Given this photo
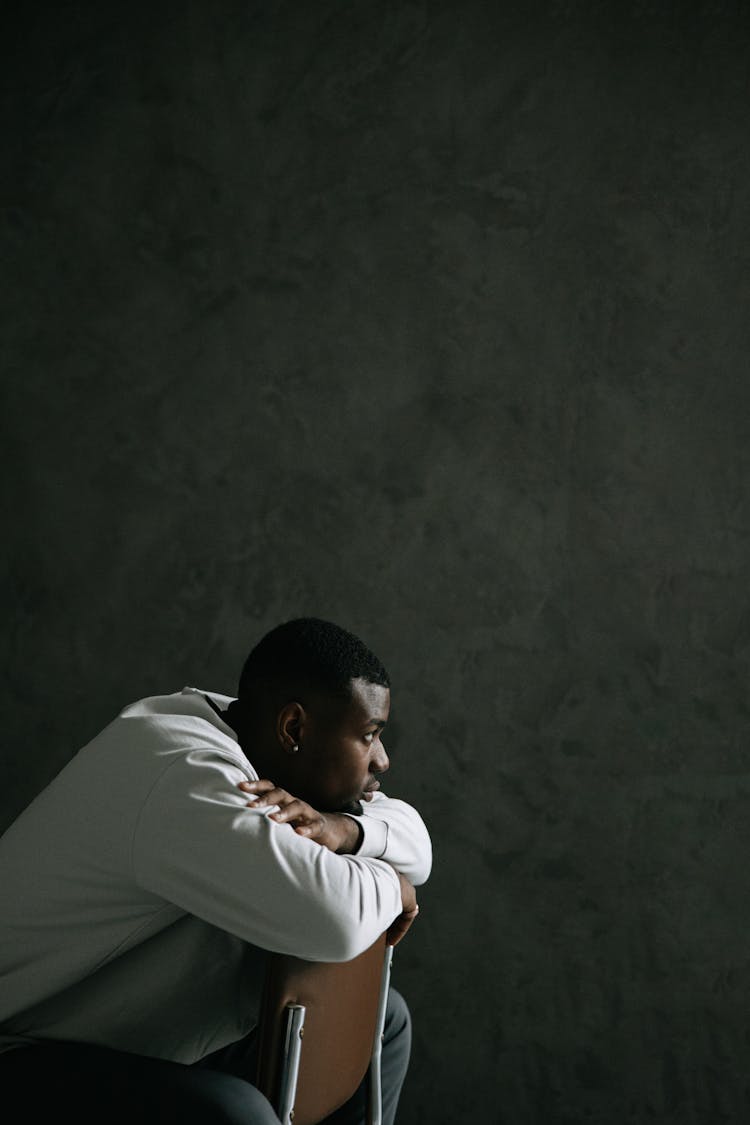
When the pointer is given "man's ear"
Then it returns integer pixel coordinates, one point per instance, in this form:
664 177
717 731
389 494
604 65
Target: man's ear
290 724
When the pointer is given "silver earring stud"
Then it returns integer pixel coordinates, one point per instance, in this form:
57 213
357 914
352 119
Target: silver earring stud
295 748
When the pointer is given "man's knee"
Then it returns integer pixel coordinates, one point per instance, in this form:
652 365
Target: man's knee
397 1019
242 1104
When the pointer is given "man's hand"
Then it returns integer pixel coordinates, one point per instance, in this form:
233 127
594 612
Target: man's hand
335 831
409 911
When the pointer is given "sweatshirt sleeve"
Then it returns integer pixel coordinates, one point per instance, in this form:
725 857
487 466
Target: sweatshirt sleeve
395 832
199 846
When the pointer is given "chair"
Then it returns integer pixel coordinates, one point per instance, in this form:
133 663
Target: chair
320 1033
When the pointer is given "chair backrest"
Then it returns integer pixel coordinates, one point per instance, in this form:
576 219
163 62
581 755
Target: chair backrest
320 1033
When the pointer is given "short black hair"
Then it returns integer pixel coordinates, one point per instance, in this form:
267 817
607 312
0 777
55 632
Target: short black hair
310 652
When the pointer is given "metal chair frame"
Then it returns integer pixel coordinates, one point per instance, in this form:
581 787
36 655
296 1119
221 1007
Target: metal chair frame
282 1040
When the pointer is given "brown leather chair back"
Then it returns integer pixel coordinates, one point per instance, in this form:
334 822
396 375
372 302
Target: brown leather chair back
342 1003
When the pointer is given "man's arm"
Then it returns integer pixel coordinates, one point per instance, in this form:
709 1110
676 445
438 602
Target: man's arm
198 846
396 834
387 829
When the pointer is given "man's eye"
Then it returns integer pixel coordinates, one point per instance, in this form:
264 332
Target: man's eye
369 736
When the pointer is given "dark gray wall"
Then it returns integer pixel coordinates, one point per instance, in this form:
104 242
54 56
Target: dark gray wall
431 318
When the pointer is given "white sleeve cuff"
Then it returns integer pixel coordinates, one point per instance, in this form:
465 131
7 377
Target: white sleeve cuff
374 837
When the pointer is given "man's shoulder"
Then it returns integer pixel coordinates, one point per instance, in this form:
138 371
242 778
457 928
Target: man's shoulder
190 702
182 719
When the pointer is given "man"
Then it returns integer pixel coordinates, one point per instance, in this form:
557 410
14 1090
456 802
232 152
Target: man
142 887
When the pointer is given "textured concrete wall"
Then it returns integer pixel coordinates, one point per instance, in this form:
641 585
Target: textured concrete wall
431 318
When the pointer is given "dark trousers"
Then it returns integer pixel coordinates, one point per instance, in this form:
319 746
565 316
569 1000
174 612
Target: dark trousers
89 1085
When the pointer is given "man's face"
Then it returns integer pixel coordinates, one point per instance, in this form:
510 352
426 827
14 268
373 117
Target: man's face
341 752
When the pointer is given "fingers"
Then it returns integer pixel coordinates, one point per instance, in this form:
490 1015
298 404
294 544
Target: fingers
409 911
261 788
400 926
291 809
272 794
408 894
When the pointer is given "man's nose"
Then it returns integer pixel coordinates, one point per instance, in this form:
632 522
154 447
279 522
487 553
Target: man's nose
380 759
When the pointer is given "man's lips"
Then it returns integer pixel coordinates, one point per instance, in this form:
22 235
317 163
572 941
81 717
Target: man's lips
368 792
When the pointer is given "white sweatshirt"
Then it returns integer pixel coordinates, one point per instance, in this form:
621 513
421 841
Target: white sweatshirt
139 893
